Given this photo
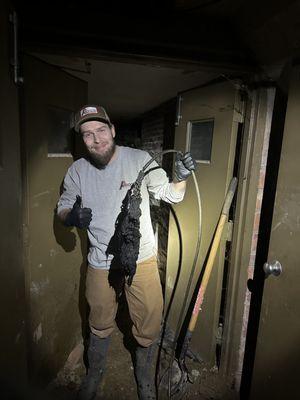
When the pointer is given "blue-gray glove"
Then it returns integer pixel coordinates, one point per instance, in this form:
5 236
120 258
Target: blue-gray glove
184 165
79 216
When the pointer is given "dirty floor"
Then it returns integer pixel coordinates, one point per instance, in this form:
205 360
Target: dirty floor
119 382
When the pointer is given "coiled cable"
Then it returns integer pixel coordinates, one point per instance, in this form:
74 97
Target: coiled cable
191 276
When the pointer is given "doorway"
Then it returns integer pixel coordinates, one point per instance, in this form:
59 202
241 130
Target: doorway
153 122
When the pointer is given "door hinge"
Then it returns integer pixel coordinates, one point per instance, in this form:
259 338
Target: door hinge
228 231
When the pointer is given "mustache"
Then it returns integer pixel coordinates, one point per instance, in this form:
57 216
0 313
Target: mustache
99 144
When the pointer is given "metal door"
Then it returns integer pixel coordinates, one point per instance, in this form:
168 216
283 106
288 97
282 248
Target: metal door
208 127
53 254
276 367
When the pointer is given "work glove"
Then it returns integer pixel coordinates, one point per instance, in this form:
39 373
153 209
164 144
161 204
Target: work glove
79 216
184 165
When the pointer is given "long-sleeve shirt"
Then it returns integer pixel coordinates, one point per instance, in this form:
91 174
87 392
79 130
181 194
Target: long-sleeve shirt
103 190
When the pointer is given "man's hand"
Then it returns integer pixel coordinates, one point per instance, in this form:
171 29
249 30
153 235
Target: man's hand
79 216
184 165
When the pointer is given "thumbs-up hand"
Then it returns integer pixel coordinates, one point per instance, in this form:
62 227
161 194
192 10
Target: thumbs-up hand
79 216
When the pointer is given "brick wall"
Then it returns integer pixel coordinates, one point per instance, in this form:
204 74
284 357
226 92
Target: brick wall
152 133
157 134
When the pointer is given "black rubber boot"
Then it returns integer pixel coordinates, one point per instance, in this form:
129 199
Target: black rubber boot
144 372
96 355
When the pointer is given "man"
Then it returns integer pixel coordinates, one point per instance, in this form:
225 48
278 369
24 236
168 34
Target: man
94 189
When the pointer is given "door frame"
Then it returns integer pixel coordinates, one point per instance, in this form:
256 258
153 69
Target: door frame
262 103
256 133
256 284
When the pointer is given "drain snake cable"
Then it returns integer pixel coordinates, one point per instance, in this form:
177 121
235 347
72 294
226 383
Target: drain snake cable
188 288
197 306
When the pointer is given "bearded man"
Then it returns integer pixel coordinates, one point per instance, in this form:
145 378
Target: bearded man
94 189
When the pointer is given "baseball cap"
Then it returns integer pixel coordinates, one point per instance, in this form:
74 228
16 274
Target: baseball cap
90 113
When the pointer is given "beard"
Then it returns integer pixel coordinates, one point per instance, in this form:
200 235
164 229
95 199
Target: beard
101 160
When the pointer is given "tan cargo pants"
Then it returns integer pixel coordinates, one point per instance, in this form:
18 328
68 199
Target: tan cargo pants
144 298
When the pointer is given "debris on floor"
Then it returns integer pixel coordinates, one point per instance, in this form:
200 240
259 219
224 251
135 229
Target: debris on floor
119 382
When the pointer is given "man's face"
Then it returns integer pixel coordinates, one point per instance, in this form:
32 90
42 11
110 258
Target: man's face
98 138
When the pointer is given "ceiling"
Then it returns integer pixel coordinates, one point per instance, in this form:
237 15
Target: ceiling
128 90
137 54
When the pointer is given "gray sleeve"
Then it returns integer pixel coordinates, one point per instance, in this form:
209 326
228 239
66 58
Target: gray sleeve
158 184
71 188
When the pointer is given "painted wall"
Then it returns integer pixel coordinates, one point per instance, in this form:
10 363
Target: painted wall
55 256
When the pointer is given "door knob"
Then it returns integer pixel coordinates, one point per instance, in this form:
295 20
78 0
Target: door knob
273 268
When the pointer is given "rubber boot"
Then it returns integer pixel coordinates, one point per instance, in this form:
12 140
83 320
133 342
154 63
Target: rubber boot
144 372
96 355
